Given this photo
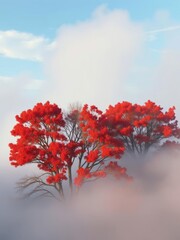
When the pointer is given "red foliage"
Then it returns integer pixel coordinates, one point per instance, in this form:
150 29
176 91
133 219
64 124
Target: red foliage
117 171
141 126
95 132
92 156
82 174
41 140
54 142
88 139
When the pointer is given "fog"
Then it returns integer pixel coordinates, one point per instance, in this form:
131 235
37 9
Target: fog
147 208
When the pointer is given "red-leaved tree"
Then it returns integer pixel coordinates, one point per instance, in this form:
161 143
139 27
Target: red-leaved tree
142 127
85 144
63 149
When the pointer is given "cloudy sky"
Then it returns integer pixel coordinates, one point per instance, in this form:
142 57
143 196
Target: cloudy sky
97 52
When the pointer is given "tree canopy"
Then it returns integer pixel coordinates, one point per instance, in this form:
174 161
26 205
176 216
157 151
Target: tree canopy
85 143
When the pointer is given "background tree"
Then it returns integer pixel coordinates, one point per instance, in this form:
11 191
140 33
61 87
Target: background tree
61 146
142 127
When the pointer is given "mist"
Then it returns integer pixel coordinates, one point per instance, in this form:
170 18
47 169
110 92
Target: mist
146 208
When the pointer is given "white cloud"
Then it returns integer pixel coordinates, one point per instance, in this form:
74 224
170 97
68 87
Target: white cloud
152 35
92 59
162 57
22 45
166 29
29 83
166 78
16 95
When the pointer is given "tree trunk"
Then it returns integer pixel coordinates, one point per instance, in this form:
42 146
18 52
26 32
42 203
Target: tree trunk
70 179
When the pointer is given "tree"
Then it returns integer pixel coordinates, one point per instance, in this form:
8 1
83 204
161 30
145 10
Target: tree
60 146
142 127
85 144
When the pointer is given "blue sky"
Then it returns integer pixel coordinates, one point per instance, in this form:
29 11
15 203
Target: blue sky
44 16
